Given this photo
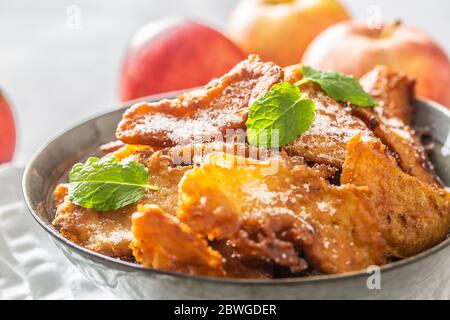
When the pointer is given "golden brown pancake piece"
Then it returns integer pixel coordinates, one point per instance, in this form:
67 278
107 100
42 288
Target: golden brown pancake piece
293 209
412 215
162 242
394 92
326 141
110 233
200 114
391 121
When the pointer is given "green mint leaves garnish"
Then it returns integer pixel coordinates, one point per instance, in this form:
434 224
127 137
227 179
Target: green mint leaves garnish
339 87
106 184
281 113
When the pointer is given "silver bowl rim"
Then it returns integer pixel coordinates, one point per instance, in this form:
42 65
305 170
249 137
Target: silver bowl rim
130 266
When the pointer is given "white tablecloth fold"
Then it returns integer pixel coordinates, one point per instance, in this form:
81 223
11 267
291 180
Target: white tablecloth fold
31 267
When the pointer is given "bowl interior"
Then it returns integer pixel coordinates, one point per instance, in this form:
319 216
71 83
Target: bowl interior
435 119
51 163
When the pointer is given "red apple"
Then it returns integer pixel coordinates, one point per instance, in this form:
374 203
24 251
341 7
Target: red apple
7 131
353 48
174 54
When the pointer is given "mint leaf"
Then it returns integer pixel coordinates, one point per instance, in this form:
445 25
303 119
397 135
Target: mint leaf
339 87
283 111
106 184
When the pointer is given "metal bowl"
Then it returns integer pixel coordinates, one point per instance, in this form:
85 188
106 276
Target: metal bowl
413 277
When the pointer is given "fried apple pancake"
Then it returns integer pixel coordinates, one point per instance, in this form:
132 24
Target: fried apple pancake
403 143
164 174
203 113
110 233
354 190
162 242
394 92
412 215
326 141
294 209
390 122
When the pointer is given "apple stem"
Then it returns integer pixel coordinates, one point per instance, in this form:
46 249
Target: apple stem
389 29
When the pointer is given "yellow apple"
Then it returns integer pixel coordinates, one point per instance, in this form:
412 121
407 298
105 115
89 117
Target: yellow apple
280 30
353 48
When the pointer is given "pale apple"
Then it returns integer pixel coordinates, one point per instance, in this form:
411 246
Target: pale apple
353 48
7 131
281 30
174 54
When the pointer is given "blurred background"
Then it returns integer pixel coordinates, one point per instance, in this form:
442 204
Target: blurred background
60 61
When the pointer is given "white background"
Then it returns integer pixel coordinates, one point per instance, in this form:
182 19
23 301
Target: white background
55 76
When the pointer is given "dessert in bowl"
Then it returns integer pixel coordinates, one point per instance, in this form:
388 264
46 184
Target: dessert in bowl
198 199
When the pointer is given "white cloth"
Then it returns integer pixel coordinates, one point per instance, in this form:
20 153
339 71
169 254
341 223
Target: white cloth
31 266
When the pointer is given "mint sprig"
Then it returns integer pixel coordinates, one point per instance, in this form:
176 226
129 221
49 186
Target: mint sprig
106 184
279 116
339 86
